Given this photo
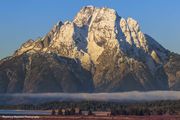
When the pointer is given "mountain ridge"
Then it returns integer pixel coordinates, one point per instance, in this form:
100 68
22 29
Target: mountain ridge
114 52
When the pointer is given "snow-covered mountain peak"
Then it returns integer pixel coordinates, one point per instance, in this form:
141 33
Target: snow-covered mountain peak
83 17
88 13
92 31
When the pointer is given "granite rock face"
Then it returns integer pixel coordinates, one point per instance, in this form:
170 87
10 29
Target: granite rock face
98 51
172 69
44 73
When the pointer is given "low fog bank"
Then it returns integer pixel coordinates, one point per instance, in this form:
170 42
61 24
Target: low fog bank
35 98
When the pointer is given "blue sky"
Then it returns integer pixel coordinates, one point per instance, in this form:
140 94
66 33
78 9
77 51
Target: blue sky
21 20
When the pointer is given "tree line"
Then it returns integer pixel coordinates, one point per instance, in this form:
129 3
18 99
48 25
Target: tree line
170 107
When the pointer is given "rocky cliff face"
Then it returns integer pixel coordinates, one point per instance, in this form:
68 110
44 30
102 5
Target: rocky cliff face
98 51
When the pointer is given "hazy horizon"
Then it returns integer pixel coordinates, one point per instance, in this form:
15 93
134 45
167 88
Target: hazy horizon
23 20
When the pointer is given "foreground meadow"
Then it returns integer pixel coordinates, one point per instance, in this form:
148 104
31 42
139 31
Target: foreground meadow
164 117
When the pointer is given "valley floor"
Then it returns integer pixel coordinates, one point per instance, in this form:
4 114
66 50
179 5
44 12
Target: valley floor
164 117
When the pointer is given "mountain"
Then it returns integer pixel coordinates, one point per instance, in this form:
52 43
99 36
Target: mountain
98 51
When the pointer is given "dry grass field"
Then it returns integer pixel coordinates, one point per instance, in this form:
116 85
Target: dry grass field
165 117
